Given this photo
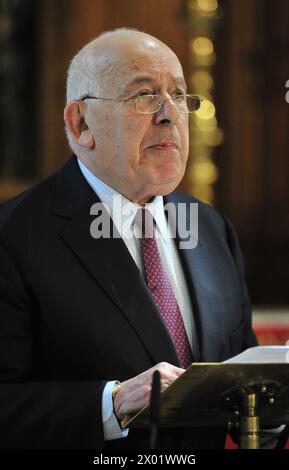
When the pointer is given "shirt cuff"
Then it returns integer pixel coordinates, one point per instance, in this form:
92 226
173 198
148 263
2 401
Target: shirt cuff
111 427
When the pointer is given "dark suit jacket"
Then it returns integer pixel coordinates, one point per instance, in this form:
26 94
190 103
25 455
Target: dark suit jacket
75 312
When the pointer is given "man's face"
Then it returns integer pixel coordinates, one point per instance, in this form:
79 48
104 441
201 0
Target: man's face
140 155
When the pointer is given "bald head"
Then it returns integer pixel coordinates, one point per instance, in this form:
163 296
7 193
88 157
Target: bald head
106 56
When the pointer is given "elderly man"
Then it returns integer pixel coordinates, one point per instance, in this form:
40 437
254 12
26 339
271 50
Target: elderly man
81 314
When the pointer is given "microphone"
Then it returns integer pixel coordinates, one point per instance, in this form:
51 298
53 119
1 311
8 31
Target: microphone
155 409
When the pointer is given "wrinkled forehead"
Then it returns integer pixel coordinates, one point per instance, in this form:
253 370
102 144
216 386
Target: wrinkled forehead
137 65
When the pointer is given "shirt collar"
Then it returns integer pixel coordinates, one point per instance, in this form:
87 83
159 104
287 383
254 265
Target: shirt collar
121 209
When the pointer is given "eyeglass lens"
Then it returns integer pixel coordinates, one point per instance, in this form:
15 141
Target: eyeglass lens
152 103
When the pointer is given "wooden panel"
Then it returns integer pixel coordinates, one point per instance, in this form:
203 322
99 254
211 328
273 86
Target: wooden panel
54 18
252 49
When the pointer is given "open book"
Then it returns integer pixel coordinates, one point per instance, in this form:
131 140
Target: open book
197 397
262 355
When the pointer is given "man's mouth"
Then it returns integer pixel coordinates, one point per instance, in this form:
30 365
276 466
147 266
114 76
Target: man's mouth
164 146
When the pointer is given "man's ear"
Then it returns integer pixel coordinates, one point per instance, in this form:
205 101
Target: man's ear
77 126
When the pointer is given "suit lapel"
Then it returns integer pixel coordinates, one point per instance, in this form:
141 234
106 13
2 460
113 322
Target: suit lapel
110 263
193 262
206 284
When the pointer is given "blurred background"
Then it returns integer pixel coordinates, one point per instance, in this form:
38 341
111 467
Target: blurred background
234 54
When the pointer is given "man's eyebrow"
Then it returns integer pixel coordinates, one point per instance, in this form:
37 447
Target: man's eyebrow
181 81
140 80
144 79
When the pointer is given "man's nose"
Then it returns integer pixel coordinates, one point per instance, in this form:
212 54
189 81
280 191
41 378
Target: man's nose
168 114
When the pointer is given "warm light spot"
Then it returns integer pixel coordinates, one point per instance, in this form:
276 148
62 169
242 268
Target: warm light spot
204 60
206 111
202 81
207 125
207 5
214 138
205 172
202 46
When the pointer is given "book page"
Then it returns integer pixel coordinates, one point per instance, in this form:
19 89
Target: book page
262 355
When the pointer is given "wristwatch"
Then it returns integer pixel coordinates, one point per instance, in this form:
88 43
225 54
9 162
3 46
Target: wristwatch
116 389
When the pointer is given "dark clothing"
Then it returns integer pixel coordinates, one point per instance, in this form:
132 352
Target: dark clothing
75 312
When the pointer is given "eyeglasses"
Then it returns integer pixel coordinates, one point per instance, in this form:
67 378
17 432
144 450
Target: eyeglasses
150 104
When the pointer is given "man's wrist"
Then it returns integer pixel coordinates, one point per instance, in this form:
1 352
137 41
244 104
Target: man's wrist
114 393
111 427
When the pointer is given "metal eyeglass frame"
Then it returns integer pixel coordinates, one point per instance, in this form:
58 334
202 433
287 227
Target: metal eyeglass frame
138 99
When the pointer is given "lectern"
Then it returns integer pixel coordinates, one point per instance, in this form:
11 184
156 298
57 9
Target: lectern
242 396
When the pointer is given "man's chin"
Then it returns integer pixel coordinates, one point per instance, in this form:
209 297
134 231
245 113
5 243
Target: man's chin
164 187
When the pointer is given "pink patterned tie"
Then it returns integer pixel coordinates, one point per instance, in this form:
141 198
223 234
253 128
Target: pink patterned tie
161 290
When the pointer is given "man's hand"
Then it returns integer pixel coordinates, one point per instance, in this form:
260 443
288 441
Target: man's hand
134 393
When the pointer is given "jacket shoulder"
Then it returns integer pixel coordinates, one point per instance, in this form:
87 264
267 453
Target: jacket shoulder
207 214
27 198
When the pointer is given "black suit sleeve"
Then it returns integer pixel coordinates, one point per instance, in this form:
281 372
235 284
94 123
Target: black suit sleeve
248 337
38 414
